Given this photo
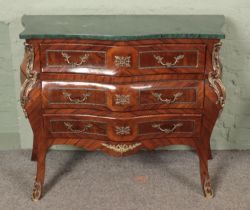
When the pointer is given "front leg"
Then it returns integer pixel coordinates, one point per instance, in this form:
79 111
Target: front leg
34 150
205 180
40 174
210 156
204 175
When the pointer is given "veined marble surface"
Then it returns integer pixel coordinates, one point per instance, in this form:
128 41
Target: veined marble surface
122 27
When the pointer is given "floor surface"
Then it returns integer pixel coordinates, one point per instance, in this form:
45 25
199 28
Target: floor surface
158 180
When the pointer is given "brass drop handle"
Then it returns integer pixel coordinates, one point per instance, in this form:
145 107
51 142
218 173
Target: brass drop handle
83 59
77 100
167 131
69 126
121 148
168 64
176 96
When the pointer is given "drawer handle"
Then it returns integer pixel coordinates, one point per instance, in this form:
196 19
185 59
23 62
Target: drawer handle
176 96
122 130
122 148
122 61
69 126
83 59
167 131
122 99
168 64
77 100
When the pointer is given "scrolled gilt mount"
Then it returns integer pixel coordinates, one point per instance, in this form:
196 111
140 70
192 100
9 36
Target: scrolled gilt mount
214 76
207 188
29 53
121 148
31 77
37 191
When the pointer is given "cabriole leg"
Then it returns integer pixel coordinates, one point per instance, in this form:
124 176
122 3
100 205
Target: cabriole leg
34 150
38 185
205 180
204 175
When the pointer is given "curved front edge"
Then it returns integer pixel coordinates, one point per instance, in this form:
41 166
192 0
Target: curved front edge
214 76
213 104
26 88
215 95
29 75
28 60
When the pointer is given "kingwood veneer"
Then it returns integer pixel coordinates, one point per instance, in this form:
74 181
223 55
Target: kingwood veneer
121 84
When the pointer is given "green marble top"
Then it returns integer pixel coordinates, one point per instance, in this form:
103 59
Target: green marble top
122 27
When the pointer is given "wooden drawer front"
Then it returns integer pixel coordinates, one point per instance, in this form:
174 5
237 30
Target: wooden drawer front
73 95
173 58
131 97
76 128
123 60
172 94
166 125
123 128
72 58
176 127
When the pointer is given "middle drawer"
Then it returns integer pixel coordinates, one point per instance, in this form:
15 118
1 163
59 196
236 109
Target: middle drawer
125 97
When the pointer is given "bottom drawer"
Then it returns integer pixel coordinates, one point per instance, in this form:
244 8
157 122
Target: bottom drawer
122 128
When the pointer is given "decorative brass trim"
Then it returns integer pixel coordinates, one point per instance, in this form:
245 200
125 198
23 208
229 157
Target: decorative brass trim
29 52
122 99
176 96
208 192
31 77
214 77
26 89
77 100
69 126
122 61
83 59
121 148
168 64
122 130
167 131
37 191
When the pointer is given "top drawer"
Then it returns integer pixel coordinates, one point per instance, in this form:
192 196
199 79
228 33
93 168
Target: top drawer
73 58
172 58
123 60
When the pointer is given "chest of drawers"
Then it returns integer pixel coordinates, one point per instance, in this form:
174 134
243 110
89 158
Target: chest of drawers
121 84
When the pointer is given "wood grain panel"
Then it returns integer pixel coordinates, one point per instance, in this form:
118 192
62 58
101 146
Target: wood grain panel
172 58
130 97
122 129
